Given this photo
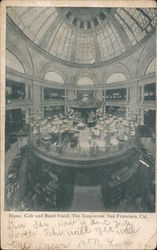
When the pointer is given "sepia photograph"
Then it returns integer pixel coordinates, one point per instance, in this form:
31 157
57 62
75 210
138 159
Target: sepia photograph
80 109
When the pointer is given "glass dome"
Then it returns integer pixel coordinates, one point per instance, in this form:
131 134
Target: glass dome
84 35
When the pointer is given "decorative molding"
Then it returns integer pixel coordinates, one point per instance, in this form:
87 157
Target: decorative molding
20 77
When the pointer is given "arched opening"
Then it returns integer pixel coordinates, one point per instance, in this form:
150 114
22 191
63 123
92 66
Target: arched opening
116 77
54 77
85 81
151 67
13 62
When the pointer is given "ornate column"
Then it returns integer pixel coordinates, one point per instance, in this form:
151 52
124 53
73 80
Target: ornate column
66 98
127 101
29 100
42 101
27 118
140 103
35 96
104 99
133 103
26 92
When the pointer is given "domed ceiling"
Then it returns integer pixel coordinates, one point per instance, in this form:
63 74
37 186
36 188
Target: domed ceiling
84 35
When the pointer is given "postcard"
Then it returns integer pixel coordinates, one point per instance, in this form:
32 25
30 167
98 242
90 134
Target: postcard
78 125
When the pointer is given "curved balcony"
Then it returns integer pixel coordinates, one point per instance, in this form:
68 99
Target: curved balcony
149 104
117 103
17 103
89 104
53 102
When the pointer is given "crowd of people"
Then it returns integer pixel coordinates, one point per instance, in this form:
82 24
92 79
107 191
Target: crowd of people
73 134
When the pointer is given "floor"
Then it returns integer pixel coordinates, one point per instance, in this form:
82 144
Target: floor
87 199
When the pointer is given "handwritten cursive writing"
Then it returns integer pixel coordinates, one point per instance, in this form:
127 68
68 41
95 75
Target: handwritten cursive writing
90 242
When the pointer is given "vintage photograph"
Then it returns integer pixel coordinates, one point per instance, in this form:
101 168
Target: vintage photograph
80 109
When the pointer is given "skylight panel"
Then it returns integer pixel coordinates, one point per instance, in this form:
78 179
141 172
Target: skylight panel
150 12
131 23
142 20
129 33
85 50
44 25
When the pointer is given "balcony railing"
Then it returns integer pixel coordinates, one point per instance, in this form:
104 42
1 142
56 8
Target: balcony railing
16 103
149 104
53 102
115 102
89 104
